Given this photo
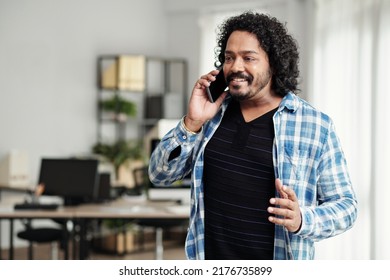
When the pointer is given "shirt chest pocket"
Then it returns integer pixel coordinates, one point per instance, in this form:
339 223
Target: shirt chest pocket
295 164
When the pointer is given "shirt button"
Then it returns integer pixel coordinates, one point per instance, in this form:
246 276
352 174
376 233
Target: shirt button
165 168
184 137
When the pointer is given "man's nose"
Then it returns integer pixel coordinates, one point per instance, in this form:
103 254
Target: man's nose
238 65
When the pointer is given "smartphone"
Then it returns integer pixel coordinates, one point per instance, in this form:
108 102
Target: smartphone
216 87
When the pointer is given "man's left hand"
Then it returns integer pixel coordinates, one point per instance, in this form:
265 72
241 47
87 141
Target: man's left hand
286 208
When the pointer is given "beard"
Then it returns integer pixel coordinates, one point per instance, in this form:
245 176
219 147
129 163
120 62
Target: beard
254 85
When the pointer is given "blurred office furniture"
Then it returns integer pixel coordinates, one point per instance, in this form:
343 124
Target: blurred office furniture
141 180
121 208
51 235
14 170
104 193
158 225
156 85
76 181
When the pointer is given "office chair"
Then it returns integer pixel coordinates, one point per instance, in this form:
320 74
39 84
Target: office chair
42 234
142 183
45 235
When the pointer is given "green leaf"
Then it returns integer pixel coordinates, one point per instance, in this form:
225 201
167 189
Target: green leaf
119 105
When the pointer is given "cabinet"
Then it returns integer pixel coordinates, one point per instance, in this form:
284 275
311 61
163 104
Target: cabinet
156 86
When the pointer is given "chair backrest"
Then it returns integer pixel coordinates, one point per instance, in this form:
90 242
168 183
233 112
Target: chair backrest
104 191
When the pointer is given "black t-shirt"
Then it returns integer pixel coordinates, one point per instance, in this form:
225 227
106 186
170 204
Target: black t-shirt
239 180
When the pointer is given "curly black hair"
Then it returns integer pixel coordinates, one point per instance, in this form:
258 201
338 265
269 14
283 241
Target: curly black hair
281 48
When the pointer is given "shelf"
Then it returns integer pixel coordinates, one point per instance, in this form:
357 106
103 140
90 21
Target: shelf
159 91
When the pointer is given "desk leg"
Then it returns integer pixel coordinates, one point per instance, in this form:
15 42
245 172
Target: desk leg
159 244
82 239
75 239
11 239
124 232
66 239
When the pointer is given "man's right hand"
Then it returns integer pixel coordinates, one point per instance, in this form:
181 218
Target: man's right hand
200 109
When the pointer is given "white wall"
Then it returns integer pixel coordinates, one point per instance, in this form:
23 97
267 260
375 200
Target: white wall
48 54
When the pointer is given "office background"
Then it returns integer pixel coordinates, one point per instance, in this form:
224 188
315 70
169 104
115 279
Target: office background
48 52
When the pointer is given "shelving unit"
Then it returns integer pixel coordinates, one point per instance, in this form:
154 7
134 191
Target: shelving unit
156 85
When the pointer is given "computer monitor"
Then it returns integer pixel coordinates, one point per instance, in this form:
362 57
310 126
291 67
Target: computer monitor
179 191
75 180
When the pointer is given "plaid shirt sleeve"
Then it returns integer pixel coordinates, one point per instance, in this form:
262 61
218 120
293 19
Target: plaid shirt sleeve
164 171
337 206
309 159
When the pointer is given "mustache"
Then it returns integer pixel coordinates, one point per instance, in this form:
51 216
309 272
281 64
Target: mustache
239 75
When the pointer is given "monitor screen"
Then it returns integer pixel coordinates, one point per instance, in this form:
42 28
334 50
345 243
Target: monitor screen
76 179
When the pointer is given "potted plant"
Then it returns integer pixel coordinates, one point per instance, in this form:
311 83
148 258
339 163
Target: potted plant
117 236
121 107
119 153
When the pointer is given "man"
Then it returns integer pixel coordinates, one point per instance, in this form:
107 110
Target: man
269 177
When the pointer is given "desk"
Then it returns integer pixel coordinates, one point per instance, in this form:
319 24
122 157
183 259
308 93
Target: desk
119 209
7 212
23 190
122 209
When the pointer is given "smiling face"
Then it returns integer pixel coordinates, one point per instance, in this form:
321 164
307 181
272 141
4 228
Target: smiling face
246 67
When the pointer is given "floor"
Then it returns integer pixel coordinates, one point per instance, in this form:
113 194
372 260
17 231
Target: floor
134 245
139 244
172 251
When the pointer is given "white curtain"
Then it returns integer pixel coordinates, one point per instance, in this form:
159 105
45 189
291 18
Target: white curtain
348 80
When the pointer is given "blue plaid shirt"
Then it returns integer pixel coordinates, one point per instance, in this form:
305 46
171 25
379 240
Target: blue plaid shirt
307 157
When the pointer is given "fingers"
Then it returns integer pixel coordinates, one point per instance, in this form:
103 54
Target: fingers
280 189
202 83
199 107
285 209
284 191
205 80
283 203
291 224
289 218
